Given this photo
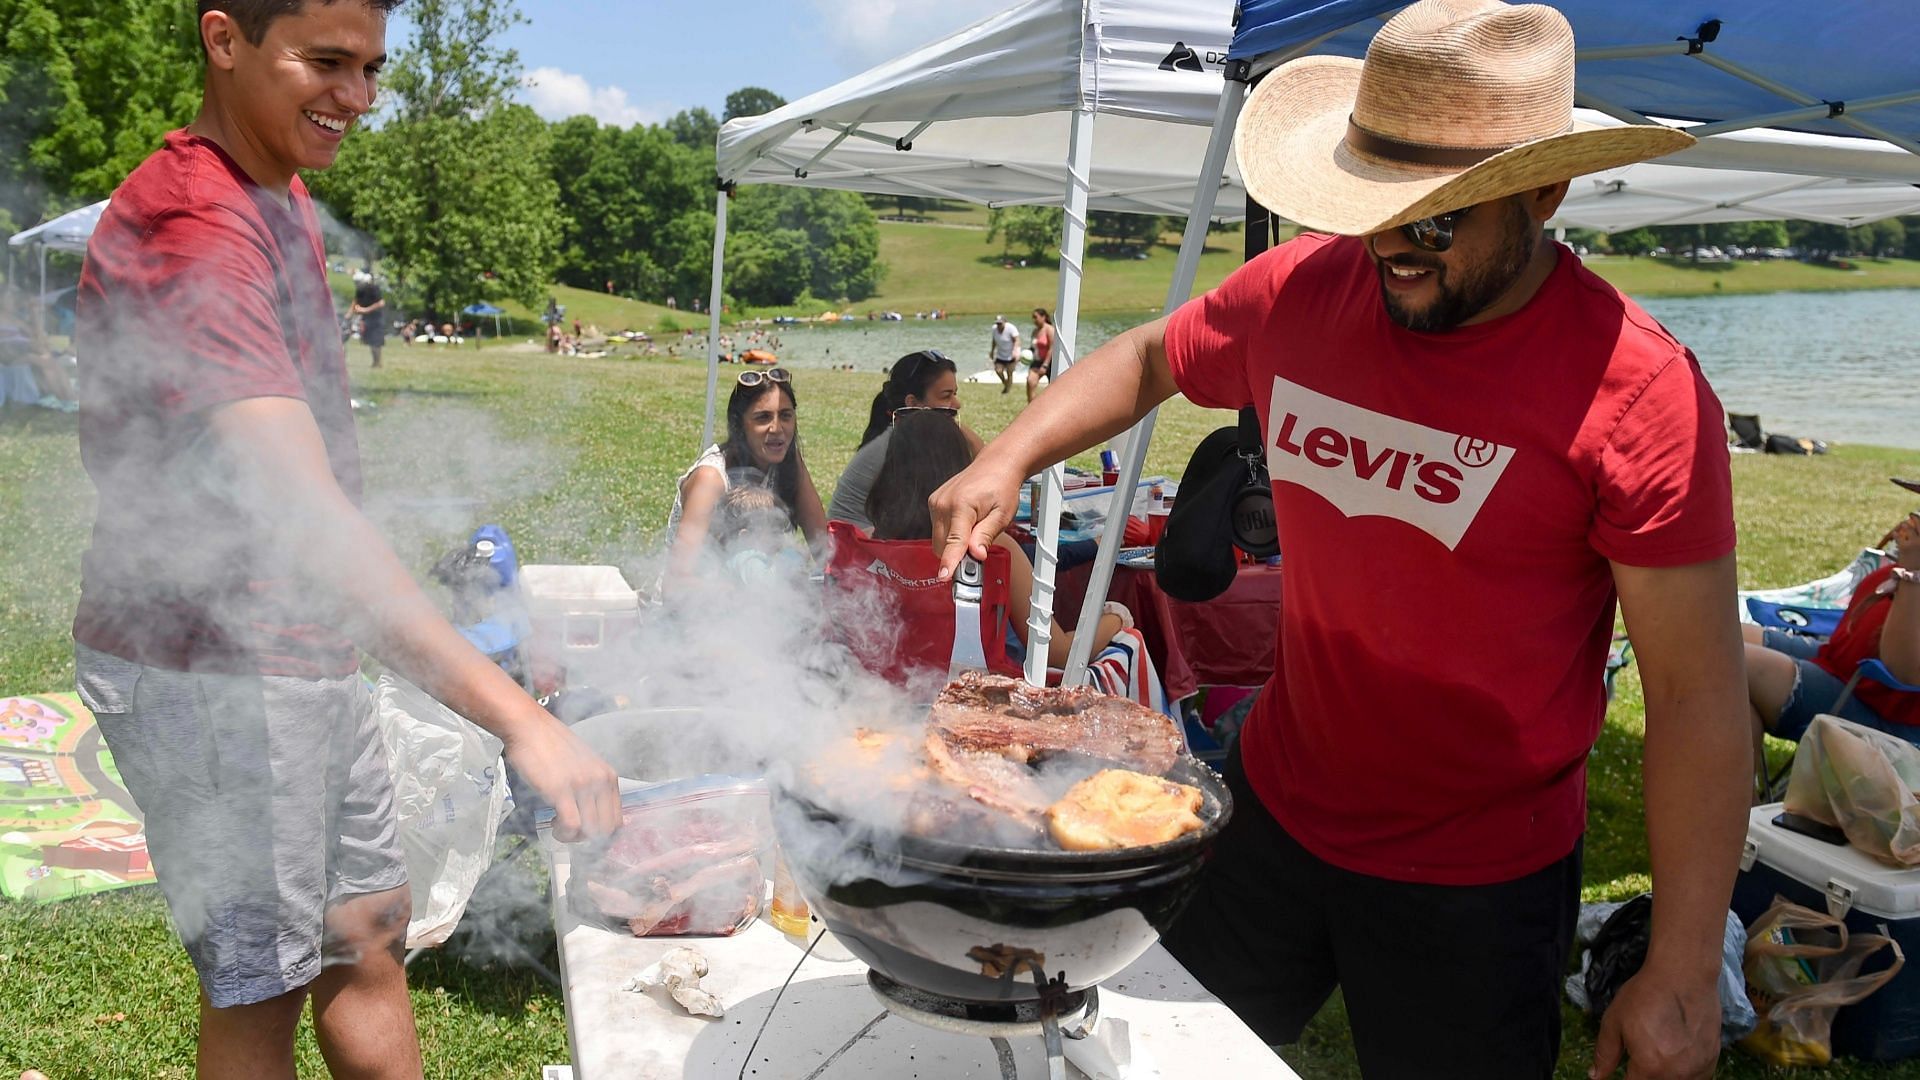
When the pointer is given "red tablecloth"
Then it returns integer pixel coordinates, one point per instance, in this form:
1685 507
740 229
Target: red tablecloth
1227 641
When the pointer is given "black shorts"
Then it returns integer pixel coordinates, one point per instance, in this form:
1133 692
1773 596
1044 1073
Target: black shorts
1439 981
373 332
1044 367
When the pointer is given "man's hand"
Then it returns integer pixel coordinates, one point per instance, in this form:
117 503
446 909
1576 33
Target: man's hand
1666 1028
970 510
581 786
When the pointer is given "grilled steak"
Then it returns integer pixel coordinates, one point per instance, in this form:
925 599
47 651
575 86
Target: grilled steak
995 714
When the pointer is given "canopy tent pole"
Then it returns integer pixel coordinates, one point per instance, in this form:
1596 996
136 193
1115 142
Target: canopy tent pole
1066 329
1185 269
40 309
713 309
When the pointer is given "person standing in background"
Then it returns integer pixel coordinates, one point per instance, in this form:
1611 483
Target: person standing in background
371 306
1042 365
1003 349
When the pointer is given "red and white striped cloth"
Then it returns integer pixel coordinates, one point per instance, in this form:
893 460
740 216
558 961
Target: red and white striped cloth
1123 669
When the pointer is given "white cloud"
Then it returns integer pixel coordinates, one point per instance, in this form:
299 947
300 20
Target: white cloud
862 33
557 94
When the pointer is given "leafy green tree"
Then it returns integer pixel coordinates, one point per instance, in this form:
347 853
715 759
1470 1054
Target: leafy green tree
1885 237
751 101
1633 242
1762 234
1121 228
619 188
694 128
1030 228
1818 236
454 182
87 88
1912 247
840 256
454 65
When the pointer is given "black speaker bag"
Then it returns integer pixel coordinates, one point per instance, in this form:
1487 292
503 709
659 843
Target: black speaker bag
1225 480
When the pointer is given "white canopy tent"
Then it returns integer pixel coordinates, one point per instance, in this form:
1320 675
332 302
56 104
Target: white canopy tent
1003 113
1005 89
69 233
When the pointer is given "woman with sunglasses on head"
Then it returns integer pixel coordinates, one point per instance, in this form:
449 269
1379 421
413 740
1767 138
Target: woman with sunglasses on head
927 448
921 380
763 434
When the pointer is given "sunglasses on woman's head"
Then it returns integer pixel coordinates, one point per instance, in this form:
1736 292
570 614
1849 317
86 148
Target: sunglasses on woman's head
1434 233
755 378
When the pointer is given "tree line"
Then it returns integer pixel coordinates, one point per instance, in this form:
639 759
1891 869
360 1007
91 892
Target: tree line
461 192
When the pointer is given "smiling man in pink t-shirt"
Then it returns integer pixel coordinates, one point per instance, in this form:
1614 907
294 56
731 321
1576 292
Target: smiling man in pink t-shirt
1477 448
232 575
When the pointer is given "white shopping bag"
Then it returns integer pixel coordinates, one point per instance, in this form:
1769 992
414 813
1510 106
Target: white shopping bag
450 790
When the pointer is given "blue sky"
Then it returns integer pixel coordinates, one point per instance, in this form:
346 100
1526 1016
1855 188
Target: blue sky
640 61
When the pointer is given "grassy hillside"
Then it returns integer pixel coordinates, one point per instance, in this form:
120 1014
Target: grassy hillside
945 262
953 267
1677 277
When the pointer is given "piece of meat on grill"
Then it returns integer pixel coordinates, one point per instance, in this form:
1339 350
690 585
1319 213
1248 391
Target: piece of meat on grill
995 714
989 778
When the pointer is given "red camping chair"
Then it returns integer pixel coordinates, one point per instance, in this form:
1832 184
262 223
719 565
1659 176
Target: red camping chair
903 577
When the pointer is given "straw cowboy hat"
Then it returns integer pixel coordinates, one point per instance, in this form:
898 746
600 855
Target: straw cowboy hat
1458 102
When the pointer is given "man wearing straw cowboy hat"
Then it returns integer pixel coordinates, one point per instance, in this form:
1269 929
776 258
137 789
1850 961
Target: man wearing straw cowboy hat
1476 446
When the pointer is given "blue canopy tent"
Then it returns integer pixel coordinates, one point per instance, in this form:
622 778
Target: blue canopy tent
1838 68
482 310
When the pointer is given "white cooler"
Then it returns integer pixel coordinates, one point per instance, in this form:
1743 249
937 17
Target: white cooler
574 612
1871 896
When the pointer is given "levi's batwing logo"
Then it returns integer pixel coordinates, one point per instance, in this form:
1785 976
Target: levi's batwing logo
1369 464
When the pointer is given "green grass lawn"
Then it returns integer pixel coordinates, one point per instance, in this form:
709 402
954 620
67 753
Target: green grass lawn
577 458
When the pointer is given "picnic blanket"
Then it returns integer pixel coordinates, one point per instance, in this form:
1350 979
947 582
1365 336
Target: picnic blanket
67 825
1832 591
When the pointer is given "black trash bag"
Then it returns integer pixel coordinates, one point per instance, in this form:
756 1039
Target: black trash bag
1618 951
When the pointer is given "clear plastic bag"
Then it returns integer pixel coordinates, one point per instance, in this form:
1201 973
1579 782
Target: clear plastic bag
450 792
1862 781
1801 967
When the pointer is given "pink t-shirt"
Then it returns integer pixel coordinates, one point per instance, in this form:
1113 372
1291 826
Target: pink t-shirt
1447 506
201 289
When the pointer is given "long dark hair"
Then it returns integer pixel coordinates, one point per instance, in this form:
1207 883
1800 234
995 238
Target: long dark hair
927 450
785 476
911 375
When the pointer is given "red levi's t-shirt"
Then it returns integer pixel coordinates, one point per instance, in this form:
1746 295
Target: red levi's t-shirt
199 289
1447 505
1857 638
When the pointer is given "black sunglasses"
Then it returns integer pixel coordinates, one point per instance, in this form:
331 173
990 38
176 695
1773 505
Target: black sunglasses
1434 233
755 378
908 409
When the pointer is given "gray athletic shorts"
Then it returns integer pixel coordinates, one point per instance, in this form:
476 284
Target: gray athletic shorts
267 798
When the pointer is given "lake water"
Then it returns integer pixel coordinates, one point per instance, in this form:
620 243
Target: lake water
1839 366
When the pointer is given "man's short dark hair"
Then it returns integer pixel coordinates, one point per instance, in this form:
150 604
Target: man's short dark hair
254 16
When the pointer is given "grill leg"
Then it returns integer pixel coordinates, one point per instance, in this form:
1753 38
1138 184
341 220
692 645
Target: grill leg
1004 1051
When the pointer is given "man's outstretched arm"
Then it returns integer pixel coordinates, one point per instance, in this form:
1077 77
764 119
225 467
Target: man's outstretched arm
1097 398
273 450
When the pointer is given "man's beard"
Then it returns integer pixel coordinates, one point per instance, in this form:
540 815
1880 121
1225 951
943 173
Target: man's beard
1478 288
